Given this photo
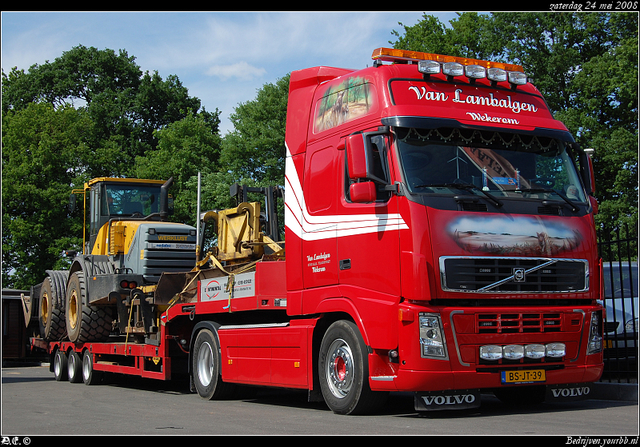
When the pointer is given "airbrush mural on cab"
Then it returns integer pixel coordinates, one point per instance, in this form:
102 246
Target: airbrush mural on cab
343 102
513 236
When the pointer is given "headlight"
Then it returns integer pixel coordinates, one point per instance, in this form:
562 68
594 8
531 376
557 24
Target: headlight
431 336
595 334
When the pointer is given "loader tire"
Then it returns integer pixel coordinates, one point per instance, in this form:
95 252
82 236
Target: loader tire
52 306
85 323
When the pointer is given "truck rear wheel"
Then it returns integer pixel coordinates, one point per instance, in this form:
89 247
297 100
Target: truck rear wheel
206 367
343 370
52 306
84 322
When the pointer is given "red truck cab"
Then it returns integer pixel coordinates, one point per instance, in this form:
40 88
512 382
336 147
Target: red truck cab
437 203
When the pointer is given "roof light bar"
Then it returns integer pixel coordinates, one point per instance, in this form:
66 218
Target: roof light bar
453 69
431 63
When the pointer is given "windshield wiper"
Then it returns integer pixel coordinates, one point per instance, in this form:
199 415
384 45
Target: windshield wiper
465 187
573 206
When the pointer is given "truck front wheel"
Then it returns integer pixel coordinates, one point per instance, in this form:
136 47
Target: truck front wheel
206 367
343 370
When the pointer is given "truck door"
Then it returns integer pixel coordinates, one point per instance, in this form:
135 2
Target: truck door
368 237
319 251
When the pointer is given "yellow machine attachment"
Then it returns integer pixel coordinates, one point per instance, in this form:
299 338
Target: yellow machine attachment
239 236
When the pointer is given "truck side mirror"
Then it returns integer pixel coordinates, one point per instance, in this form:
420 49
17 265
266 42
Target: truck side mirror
365 157
364 192
591 172
356 156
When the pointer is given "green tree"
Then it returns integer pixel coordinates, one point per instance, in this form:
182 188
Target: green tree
41 151
89 113
125 104
255 148
185 148
585 65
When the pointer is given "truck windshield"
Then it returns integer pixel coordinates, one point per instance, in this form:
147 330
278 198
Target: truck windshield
129 200
494 164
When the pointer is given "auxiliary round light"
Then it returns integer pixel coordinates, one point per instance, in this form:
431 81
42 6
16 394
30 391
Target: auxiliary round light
453 69
513 352
517 78
556 350
497 74
475 71
534 351
429 67
490 352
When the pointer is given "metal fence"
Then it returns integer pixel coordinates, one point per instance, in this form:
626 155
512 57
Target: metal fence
620 261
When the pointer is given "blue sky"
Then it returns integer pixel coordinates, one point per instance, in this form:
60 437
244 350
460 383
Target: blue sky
222 58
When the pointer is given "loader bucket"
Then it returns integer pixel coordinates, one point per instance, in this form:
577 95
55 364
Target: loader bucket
171 284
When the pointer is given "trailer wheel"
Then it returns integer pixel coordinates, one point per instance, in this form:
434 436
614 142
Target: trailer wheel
74 370
343 370
206 367
85 322
52 306
60 366
89 375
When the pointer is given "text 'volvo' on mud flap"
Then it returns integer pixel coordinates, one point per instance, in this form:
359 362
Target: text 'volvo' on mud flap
446 400
568 392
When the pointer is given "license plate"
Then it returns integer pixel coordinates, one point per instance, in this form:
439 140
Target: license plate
527 376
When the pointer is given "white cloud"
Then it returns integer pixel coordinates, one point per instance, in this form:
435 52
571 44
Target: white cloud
240 70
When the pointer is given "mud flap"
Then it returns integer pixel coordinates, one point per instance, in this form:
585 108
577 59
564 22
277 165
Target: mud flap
446 400
568 392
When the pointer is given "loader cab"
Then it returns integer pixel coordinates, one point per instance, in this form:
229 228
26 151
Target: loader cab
122 199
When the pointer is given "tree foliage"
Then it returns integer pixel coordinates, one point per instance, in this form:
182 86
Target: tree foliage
41 150
255 148
89 113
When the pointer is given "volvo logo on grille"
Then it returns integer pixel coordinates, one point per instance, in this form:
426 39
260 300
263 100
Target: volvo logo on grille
518 274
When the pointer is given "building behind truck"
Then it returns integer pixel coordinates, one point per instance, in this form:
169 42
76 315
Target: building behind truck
439 240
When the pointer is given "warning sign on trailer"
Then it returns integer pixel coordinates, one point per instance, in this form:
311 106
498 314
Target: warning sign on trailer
218 289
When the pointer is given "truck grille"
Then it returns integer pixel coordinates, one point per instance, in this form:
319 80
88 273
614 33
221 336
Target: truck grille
508 323
513 275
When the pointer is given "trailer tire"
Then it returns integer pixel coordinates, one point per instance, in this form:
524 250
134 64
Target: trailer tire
74 367
85 323
89 375
206 365
52 306
60 369
343 371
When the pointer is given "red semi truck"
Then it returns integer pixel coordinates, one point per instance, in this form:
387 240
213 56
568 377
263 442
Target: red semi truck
439 240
